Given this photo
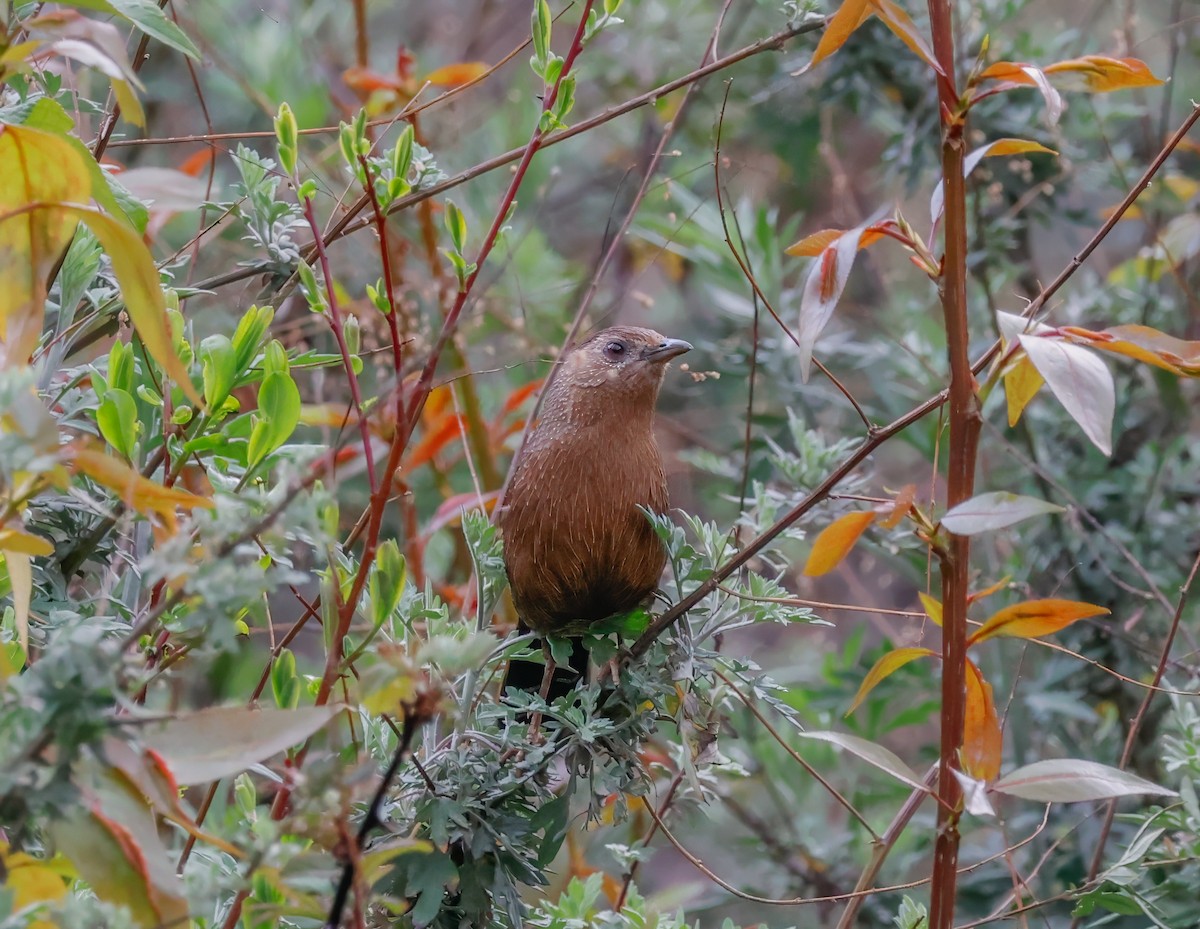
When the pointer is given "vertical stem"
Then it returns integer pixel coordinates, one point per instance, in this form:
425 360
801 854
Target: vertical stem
964 439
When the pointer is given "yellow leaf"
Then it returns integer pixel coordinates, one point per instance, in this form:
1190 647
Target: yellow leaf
932 607
989 590
36 168
1016 147
894 660
20 575
1034 618
839 27
18 540
109 857
835 542
31 881
140 288
139 493
1100 74
1021 384
1145 344
982 739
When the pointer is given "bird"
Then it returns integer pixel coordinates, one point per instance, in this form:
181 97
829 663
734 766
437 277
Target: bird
578 547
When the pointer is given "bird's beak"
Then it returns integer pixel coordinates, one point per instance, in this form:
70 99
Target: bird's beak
667 349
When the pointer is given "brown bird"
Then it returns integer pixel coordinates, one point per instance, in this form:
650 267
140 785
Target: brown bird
576 545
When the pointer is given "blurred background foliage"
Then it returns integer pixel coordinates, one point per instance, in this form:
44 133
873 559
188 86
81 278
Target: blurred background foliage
744 438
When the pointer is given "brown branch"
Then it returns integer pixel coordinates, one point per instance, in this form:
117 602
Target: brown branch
1140 717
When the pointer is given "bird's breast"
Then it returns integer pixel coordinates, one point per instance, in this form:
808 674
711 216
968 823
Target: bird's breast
578 546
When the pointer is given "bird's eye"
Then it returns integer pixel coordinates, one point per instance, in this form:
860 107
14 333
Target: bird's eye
614 350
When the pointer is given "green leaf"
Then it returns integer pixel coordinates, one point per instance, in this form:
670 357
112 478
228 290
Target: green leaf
402 154
542 23
428 876
248 336
118 421
456 225
219 369
386 584
284 684
279 409
551 819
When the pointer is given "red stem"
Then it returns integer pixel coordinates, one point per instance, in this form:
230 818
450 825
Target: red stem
339 334
965 423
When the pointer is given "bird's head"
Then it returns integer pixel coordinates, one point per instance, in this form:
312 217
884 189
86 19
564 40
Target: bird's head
622 361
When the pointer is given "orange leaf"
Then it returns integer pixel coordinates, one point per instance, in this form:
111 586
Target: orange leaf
520 395
839 27
1099 74
932 607
982 740
451 509
900 507
835 542
1021 383
1033 618
365 81
906 31
435 440
893 661
812 245
196 164
988 591
440 401
458 74
139 493
1016 72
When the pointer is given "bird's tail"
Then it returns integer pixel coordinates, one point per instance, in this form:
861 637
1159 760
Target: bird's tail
528 675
